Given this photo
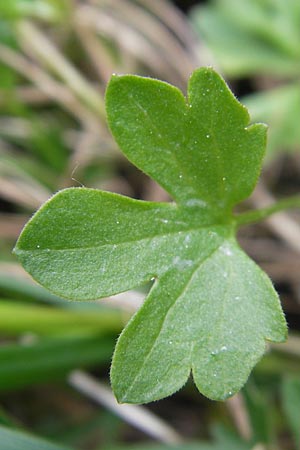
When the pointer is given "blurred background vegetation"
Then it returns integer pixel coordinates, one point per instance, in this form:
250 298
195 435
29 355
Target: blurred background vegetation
56 57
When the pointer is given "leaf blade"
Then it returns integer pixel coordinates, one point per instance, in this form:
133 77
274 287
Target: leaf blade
204 328
12 439
79 243
175 141
87 244
51 359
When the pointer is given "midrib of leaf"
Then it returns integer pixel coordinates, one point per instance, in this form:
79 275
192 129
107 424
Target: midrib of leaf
184 290
166 147
124 243
218 155
225 297
219 166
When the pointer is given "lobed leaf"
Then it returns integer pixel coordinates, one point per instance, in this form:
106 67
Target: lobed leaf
79 244
212 318
210 308
198 150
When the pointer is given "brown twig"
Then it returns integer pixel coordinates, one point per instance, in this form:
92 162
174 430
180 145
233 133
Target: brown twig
238 411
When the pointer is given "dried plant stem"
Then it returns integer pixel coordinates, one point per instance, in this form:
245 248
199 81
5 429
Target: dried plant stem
98 54
11 225
32 39
138 416
291 346
23 189
238 411
166 42
129 40
51 88
282 224
31 95
176 21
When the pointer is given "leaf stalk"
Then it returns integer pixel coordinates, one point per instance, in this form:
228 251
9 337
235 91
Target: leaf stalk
254 216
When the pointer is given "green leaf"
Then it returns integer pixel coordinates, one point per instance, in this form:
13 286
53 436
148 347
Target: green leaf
18 317
261 411
291 405
196 150
223 440
210 308
50 359
41 9
13 439
185 446
212 319
280 107
250 36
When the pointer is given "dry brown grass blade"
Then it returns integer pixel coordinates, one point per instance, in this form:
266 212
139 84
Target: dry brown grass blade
86 148
16 185
10 269
15 127
81 156
137 415
278 260
11 225
291 346
52 89
134 47
98 53
177 22
282 223
161 38
31 95
23 191
238 410
174 19
35 42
